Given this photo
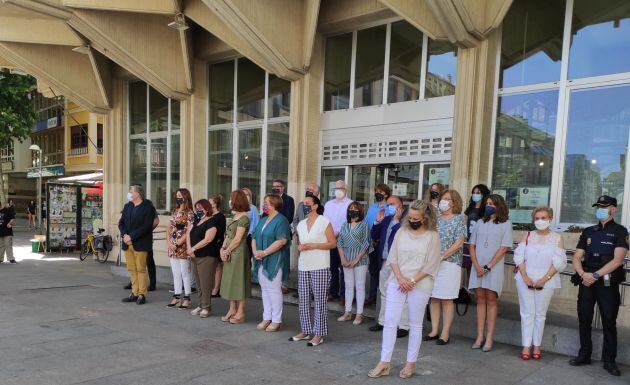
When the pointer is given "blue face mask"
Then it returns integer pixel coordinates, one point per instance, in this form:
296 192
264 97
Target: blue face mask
199 214
490 210
602 213
476 197
129 197
390 210
307 210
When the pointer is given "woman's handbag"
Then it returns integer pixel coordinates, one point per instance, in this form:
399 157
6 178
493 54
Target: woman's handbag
463 298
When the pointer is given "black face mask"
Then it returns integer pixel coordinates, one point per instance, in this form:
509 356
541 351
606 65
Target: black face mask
434 194
179 201
199 214
415 225
307 210
379 197
353 214
309 194
275 191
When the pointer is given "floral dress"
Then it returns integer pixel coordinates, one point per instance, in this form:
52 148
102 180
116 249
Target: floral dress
178 224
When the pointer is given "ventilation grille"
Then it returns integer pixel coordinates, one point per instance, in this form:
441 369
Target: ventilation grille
388 149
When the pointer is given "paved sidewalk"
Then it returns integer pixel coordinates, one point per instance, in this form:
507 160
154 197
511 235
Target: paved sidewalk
63 323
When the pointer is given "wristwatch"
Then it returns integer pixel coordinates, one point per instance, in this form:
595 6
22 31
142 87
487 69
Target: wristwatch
549 277
596 276
265 253
413 281
485 267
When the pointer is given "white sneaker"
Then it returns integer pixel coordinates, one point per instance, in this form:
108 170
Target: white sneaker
196 311
204 313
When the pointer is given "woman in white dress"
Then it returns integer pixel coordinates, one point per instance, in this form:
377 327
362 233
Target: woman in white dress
539 257
452 230
491 239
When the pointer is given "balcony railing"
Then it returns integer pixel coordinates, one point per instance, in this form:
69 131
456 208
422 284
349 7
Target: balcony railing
79 151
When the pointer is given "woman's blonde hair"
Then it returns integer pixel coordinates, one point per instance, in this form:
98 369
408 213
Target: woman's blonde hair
456 200
427 210
546 209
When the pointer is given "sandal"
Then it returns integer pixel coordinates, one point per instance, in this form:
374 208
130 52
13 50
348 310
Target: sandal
525 357
185 303
273 327
227 317
263 325
537 356
381 373
358 320
174 301
235 320
404 374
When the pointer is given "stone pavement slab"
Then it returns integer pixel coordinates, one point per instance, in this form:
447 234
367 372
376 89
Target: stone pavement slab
63 323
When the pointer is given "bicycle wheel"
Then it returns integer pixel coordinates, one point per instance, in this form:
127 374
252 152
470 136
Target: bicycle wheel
102 255
85 251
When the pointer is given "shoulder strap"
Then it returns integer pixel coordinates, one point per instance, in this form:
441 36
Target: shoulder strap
527 237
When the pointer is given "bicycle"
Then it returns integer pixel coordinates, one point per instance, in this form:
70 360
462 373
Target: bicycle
98 245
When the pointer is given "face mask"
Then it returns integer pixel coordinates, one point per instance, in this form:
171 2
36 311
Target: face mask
340 194
129 197
602 213
265 209
309 194
230 204
307 210
434 194
490 210
415 225
542 224
353 214
199 214
444 205
179 201
379 197
275 190
390 210
476 197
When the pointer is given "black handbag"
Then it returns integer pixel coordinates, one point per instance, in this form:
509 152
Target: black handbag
463 298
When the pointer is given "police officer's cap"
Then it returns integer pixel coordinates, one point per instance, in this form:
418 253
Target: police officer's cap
605 201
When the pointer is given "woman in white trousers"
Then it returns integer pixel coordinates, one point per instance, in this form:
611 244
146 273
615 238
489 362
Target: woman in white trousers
539 257
414 258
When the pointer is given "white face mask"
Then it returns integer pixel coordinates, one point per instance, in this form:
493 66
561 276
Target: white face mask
542 224
340 194
444 205
129 197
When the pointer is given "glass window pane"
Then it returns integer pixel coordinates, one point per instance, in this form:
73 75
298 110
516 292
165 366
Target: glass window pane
222 92
137 108
523 152
531 46
597 144
277 153
404 179
220 164
249 159
279 97
138 161
251 91
175 114
158 173
158 111
370 64
175 161
600 38
364 179
434 173
441 69
337 72
329 177
404 63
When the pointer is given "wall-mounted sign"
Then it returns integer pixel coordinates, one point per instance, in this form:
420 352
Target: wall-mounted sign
52 122
47 171
7 166
439 175
533 196
400 189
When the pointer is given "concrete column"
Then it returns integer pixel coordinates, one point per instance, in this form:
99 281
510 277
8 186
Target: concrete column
474 101
92 134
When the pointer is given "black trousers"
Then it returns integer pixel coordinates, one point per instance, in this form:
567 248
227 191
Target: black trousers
337 285
374 268
608 299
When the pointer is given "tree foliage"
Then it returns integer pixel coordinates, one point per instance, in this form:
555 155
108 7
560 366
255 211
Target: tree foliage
17 115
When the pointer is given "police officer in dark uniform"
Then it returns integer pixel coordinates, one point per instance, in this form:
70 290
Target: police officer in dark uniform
598 261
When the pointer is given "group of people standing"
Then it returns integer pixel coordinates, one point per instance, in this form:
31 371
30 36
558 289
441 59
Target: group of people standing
414 256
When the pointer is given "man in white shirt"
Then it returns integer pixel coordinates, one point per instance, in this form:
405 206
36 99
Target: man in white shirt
336 211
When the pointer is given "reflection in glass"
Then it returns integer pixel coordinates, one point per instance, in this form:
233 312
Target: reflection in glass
137 108
279 97
404 63
364 179
138 161
531 44
158 111
523 152
441 69
370 64
220 164
158 173
337 72
175 161
404 179
222 92
251 91
249 142
277 153
175 114
600 38
329 177
597 144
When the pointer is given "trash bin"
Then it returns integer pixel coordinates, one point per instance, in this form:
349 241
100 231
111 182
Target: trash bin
34 244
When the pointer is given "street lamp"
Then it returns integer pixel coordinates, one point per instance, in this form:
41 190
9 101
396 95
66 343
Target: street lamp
35 147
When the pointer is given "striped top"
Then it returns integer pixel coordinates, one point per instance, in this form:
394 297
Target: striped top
355 240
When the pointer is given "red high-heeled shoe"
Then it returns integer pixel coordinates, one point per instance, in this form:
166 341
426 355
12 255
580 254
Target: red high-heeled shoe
537 356
525 357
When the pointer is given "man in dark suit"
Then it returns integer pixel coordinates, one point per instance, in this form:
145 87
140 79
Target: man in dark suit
136 228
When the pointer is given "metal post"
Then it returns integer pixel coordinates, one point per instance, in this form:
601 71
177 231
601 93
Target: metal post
39 191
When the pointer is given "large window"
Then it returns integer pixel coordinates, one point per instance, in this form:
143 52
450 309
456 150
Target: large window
573 86
384 64
79 139
154 144
251 147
